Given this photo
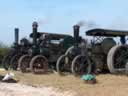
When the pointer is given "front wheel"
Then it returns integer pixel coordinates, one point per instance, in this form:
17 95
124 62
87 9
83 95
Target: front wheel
24 63
14 61
81 65
6 61
39 64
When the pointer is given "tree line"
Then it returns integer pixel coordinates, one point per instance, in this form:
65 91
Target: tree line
3 51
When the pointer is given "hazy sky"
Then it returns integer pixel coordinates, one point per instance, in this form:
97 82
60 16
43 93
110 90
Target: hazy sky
60 15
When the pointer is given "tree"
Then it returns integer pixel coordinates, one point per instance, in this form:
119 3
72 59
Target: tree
3 51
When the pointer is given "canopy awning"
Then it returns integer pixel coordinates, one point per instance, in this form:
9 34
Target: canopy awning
106 33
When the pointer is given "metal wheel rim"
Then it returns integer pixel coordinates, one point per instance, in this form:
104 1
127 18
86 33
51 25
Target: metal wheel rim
113 58
24 63
80 65
60 66
39 64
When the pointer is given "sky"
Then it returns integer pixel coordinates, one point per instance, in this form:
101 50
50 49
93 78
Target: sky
58 16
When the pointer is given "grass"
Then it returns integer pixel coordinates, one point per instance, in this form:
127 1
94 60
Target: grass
108 85
1 66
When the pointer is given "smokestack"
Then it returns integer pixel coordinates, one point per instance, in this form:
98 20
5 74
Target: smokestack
76 29
16 36
35 27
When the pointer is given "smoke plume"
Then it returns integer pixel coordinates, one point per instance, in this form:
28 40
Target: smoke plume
87 24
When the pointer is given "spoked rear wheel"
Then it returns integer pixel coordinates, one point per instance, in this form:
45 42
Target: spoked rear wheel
39 64
117 59
81 65
24 63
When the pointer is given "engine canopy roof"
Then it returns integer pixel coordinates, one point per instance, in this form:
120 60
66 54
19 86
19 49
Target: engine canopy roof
50 35
106 33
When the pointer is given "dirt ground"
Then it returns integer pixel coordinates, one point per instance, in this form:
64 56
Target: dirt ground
55 85
24 90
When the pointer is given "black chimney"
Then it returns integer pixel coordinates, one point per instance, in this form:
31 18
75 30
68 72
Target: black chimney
16 36
35 26
76 34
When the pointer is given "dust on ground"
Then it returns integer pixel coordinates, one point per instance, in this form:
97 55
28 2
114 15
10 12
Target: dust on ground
24 90
108 85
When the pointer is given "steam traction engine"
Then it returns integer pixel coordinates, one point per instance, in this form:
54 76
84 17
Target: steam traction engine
105 53
78 50
47 47
18 49
102 54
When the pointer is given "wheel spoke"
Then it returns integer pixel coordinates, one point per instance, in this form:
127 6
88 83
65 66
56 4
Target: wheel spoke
39 64
80 65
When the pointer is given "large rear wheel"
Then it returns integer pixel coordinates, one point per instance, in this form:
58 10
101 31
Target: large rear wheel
117 58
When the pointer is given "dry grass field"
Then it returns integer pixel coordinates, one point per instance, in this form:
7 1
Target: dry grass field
107 85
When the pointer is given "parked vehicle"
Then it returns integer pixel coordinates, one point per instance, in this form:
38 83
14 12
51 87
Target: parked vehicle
45 50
